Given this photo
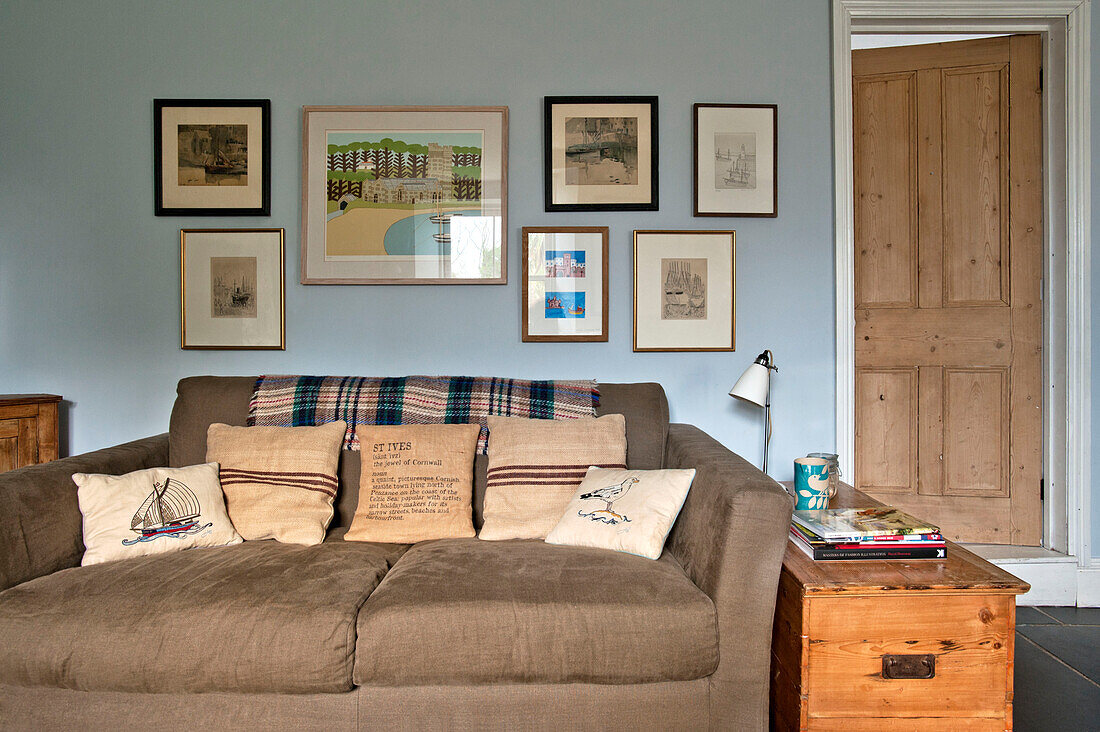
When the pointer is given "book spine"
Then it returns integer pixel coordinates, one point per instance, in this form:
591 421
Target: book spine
916 552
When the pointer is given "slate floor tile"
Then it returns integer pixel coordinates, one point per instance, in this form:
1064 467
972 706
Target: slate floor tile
1049 696
1033 616
1074 615
1078 646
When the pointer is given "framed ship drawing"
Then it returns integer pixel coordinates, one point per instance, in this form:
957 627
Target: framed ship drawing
736 160
565 276
232 290
212 157
600 153
684 290
404 195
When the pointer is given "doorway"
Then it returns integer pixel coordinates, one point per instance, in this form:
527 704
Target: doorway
1064 27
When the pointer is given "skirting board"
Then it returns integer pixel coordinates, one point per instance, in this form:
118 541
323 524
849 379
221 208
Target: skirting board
1088 584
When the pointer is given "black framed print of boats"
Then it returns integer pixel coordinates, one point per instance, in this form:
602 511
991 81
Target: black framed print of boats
404 195
684 290
232 289
212 157
565 276
736 160
600 153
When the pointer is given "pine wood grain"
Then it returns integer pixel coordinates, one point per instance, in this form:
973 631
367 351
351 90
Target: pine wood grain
28 429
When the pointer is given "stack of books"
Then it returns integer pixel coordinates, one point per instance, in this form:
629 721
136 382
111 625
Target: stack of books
865 533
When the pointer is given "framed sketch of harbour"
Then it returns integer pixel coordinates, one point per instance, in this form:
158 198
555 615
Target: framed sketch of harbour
232 289
736 160
600 153
212 157
564 290
684 290
404 195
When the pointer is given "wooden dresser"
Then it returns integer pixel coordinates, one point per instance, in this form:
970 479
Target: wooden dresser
893 645
28 429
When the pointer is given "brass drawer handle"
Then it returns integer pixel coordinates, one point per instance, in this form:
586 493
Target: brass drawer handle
915 666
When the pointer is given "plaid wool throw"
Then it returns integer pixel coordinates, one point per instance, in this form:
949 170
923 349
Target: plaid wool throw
297 401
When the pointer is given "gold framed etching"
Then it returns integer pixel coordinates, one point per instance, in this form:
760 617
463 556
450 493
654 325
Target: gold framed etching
232 289
684 290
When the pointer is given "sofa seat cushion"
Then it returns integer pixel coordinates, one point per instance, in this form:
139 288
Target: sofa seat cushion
471 611
255 617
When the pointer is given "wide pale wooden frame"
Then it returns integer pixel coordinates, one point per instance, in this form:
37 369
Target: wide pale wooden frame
501 280
281 346
605 233
1066 26
733 288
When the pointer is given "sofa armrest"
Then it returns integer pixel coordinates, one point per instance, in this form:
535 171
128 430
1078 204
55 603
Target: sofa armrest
41 529
730 538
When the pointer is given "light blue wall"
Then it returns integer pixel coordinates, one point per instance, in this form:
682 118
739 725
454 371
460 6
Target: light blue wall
89 293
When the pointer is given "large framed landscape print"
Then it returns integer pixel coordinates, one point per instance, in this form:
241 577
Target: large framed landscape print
684 290
565 276
736 154
404 195
232 289
600 153
212 157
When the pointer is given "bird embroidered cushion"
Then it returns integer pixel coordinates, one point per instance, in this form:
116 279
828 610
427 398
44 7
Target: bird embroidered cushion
416 483
151 512
628 511
535 466
279 482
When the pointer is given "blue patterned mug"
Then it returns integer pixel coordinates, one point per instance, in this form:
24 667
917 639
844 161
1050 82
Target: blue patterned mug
811 483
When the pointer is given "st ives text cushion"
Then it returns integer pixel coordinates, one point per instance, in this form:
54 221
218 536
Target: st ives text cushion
279 482
535 465
152 511
257 617
628 511
416 483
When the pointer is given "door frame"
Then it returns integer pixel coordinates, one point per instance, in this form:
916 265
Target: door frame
1065 26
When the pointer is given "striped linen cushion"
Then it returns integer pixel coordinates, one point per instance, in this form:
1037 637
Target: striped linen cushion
279 482
535 467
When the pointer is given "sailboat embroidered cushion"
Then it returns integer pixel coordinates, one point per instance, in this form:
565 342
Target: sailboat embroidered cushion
151 512
628 511
416 483
535 465
279 482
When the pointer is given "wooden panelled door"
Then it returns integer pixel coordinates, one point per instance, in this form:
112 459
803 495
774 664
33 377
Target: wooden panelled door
948 268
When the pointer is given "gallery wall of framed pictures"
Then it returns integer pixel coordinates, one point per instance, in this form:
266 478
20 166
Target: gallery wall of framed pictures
419 195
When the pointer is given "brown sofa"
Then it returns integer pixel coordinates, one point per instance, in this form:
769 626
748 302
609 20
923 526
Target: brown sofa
447 634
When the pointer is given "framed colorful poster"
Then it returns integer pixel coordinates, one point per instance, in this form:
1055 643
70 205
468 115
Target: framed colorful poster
565 295
212 157
232 289
684 291
404 195
600 153
736 160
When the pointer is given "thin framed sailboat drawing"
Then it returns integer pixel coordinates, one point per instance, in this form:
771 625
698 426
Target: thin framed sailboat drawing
232 289
404 195
684 290
735 160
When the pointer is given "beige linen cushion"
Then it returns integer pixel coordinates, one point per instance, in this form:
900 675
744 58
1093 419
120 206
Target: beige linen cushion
628 511
416 483
279 482
535 465
152 511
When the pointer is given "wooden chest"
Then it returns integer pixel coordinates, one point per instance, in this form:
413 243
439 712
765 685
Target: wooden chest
899 645
28 429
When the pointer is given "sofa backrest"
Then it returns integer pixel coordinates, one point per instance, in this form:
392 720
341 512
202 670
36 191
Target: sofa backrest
204 400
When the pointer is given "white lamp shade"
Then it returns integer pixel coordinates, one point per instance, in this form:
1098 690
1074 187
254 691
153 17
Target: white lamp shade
753 385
